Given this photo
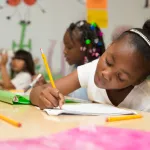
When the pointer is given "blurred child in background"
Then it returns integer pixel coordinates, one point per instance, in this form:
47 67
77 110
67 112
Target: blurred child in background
22 70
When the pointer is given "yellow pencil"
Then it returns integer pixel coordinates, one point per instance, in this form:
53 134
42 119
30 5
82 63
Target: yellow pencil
10 121
48 69
124 117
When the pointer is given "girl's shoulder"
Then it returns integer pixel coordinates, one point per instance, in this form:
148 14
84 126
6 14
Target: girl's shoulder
138 98
89 67
144 87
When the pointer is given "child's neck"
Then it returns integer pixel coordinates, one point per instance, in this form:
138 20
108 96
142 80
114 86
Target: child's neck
117 96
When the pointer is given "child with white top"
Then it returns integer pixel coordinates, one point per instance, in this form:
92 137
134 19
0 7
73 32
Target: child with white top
117 78
22 68
83 43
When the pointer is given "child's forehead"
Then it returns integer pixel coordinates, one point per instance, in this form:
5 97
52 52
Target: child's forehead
126 55
124 47
67 38
71 37
124 43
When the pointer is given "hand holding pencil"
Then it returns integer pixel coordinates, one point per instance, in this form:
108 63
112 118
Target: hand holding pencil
50 97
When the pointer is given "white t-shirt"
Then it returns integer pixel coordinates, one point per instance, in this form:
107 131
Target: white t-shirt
21 80
79 93
138 98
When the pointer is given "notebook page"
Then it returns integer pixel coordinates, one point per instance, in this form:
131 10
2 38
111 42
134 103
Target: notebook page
89 109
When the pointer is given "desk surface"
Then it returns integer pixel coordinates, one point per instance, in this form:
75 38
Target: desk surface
37 123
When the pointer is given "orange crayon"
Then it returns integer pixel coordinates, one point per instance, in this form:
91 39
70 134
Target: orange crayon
124 117
10 121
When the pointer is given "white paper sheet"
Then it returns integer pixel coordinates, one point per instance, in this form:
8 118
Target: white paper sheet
88 109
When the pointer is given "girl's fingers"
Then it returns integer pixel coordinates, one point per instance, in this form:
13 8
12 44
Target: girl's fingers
61 100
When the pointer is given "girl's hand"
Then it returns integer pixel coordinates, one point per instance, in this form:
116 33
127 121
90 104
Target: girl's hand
50 97
4 59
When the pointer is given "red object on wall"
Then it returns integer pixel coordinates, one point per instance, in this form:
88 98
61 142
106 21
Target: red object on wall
30 2
13 2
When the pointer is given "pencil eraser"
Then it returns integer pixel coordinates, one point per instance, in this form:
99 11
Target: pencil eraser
19 124
107 119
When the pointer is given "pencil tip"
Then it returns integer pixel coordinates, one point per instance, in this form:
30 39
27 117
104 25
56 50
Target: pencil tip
19 125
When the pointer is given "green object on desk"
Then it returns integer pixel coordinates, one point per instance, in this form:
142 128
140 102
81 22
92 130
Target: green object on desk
22 100
70 101
13 98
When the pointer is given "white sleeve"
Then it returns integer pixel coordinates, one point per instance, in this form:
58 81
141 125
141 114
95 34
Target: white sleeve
84 72
21 80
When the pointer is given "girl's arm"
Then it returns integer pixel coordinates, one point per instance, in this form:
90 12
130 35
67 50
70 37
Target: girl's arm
5 76
65 86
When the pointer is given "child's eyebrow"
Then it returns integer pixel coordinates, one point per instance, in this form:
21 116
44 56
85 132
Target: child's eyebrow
112 56
68 44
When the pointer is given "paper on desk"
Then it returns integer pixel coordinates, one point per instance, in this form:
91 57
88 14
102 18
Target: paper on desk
88 109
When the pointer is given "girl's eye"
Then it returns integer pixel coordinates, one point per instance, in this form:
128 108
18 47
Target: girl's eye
68 47
108 63
120 79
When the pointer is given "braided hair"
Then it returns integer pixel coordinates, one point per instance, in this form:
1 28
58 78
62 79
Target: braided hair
90 37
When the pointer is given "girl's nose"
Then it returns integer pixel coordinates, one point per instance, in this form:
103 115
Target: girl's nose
107 74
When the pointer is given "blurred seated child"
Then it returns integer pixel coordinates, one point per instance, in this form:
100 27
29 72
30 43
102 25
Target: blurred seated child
22 70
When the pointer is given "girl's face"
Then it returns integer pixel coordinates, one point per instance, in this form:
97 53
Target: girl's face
17 65
119 67
72 51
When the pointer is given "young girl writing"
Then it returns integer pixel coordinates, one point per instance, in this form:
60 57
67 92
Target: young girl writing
117 78
22 67
83 43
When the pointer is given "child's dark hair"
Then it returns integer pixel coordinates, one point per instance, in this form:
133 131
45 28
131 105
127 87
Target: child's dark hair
90 37
140 39
27 57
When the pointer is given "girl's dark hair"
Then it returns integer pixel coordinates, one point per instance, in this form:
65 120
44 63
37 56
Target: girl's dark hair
136 40
27 57
84 32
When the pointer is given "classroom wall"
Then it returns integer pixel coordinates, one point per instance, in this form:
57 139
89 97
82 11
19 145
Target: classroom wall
46 30
125 12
